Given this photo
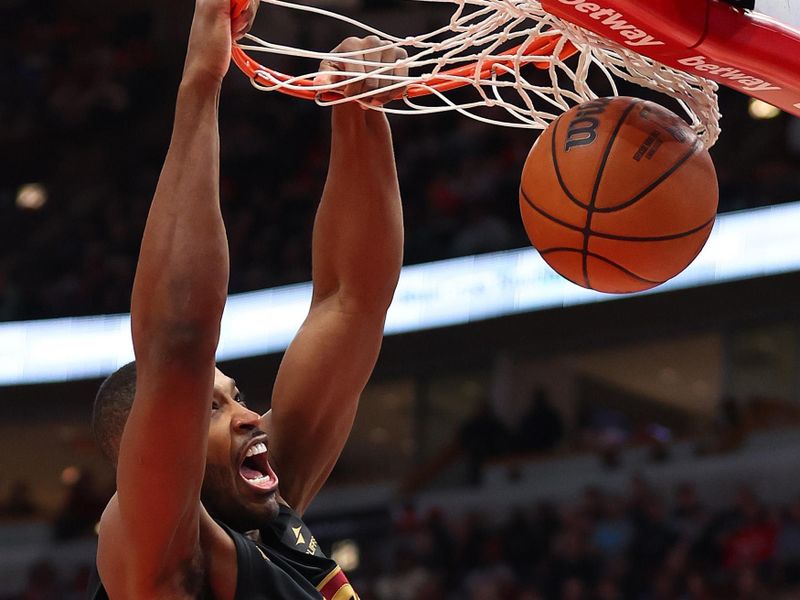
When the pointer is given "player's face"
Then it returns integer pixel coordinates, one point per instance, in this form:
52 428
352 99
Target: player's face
239 487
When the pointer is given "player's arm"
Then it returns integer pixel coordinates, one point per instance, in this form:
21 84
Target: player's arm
356 258
178 298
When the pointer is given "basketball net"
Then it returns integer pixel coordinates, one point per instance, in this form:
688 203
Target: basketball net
524 66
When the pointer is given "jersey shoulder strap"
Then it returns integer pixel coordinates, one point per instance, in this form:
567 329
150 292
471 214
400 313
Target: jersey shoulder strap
290 540
264 575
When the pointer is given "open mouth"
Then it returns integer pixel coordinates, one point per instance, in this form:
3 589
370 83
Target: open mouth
255 469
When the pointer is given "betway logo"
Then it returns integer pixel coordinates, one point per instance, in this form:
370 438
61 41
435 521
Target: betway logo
615 21
748 82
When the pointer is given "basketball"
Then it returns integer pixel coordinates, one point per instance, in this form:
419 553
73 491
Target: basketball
618 195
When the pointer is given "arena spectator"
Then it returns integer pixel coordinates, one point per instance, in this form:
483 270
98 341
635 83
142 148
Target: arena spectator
541 428
81 510
19 503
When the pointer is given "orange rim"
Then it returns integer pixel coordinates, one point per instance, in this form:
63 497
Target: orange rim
237 6
542 46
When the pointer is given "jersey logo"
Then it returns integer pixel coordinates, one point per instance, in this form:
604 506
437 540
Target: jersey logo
309 543
298 535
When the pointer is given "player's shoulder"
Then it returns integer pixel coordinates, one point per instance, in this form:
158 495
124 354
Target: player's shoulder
110 541
123 574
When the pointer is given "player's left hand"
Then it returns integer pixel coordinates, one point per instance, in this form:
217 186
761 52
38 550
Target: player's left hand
243 13
216 24
371 49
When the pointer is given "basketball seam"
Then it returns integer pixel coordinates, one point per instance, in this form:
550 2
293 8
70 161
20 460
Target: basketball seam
605 260
587 229
567 277
611 236
661 178
561 181
699 250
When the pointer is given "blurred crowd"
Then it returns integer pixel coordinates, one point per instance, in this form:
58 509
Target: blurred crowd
46 582
637 546
86 108
79 511
640 545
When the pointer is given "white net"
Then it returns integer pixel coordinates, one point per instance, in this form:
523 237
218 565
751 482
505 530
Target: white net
517 66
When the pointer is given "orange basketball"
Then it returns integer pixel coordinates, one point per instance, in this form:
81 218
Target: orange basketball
618 195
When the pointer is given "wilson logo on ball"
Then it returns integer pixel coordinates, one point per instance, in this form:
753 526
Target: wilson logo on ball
582 129
631 207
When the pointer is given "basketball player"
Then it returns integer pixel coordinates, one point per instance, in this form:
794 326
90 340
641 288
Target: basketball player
199 511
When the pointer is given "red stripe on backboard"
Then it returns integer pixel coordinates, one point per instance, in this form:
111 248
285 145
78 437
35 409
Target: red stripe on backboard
741 50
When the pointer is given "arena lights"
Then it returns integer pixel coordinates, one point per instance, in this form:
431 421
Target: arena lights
31 196
746 244
347 554
758 109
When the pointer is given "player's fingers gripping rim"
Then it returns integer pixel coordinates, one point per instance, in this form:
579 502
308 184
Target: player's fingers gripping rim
373 57
238 7
362 56
243 13
328 76
354 64
392 56
335 70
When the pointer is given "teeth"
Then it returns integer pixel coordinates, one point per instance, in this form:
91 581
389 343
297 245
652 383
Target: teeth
259 448
261 479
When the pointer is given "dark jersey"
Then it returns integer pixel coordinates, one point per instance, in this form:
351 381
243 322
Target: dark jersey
287 564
